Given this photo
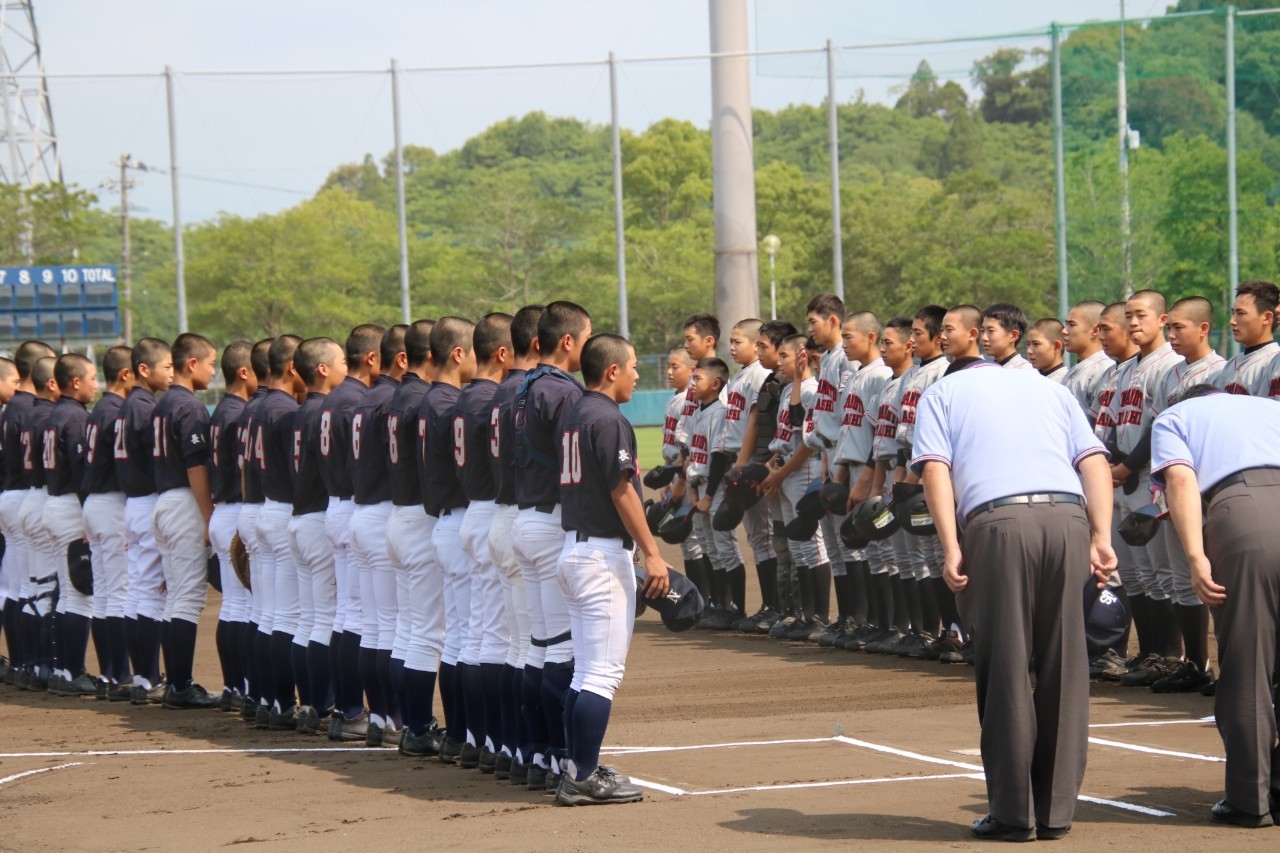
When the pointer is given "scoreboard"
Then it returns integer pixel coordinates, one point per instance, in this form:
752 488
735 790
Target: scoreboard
59 303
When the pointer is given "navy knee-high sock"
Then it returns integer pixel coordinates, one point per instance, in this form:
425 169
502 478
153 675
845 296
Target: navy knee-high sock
417 698
131 645
491 685
164 650
301 676
180 640
590 720
397 685
535 722
11 632
282 670
319 676
368 665
118 642
351 700
248 662
509 710
570 702
262 664
556 678
472 701
390 705
98 630
75 642
223 641
446 678
148 663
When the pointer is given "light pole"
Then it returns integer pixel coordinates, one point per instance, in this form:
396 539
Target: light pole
125 163
771 244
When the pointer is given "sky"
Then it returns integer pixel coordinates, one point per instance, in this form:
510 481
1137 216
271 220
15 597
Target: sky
281 136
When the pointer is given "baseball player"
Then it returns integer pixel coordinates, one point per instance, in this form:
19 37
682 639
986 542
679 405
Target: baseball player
1080 338
854 457
18 617
364 354
546 395
135 451
1137 390
233 617
1254 316
41 581
8 387
415 653
321 365
454 358
180 523
1044 349
484 624
275 575
679 376
792 468
701 335
1017 483
961 331
255 710
825 319
511 763
64 455
738 443
1003 327
703 475
379 606
604 520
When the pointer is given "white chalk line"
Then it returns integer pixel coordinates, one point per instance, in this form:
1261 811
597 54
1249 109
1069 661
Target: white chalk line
220 751
1199 722
1151 750
658 786
629 750
835 784
1130 807
16 776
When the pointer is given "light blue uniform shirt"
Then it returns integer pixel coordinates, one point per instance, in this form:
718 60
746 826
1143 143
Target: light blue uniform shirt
1216 436
1002 433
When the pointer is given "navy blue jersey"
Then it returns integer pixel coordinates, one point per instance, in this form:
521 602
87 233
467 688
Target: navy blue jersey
539 417
64 447
100 441
15 412
335 436
440 487
181 425
224 443
597 449
402 441
369 443
473 440
252 474
502 427
135 442
32 440
271 444
309 494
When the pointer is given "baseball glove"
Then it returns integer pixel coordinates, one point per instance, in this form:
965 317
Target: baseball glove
240 561
79 566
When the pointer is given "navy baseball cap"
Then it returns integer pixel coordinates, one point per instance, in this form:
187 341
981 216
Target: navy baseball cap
661 476
810 507
680 608
1105 618
801 529
1141 526
740 484
835 497
728 516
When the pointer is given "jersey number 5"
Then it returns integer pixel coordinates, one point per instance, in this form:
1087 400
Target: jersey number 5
571 468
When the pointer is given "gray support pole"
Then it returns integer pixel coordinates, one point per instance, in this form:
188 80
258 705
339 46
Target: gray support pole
1122 122
400 213
1059 178
1233 235
833 151
619 233
178 256
733 167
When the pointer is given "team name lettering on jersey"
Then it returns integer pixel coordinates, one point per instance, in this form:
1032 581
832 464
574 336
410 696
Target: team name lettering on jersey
909 400
886 421
736 406
854 411
1131 406
826 396
698 450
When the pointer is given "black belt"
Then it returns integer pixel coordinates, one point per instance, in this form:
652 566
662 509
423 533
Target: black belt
1231 480
1037 498
550 641
626 540
545 509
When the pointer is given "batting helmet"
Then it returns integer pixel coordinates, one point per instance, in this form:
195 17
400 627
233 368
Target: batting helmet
80 566
1141 526
654 512
681 607
874 521
677 525
910 509
850 536
661 476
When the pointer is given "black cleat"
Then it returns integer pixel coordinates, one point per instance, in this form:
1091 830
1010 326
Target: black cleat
283 721
1187 678
488 760
191 697
502 767
468 756
602 787
450 749
373 734
519 773
536 777
425 744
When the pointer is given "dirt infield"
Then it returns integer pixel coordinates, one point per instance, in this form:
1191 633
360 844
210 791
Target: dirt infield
835 748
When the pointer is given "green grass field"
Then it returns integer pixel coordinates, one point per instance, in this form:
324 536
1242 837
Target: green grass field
649 447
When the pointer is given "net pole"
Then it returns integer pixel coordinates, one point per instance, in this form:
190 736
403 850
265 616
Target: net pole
833 149
1059 178
1233 235
180 278
401 225
619 225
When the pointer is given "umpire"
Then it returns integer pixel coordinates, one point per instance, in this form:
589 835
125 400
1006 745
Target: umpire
1018 569
1222 447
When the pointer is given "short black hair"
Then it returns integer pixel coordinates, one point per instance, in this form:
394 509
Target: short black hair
235 356
6 365
27 354
1155 297
900 324
558 319
362 340
449 334
392 344
826 305
189 345
492 333
1010 317
714 368
417 342
116 360
148 351
310 355
706 325
281 353
796 341
69 367
1198 307
260 360
524 329
970 315
865 321
599 353
776 331
932 317
42 372
1266 297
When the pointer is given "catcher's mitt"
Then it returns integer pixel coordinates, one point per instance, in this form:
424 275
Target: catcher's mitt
240 561
213 570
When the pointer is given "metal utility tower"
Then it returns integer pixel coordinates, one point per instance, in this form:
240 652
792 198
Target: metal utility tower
28 145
